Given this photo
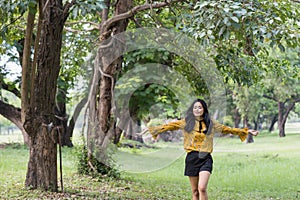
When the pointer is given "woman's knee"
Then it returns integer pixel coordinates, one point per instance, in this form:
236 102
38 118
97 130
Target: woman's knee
195 192
201 188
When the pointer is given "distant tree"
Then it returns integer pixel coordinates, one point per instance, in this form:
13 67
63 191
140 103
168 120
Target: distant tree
245 99
281 86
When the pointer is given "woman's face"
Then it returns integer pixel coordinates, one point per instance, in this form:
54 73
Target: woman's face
198 109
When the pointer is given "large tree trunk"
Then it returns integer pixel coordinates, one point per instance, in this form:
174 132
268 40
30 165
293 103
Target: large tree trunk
272 124
133 127
40 121
66 130
68 134
237 118
283 112
26 63
101 128
117 135
13 114
42 165
249 136
280 119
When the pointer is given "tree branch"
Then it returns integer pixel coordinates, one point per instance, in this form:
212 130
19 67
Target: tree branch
12 22
269 97
80 31
67 8
297 100
133 11
288 109
11 88
11 113
82 22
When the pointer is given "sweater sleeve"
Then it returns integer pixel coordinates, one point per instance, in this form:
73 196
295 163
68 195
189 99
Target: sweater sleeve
242 133
156 130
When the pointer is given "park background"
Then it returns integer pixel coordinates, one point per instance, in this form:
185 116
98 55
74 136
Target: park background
59 87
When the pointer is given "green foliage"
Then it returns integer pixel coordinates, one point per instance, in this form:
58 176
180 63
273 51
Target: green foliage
157 87
12 21
238 31
155 95
166 17
78 54
297 110
241 68
245 99
4 122
282 78
84 164
12 29
262 21
192 75
86 7
228 121
278 81
160 100
75 48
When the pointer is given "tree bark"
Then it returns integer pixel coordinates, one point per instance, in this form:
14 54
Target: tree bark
280 119
26 63
274 120
283 112
133 127
249 136
117 135
102 128
66 140
67 129
61 115
40 121
237 118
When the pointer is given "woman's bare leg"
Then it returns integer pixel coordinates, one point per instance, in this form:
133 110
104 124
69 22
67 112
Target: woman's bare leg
194 180
202 185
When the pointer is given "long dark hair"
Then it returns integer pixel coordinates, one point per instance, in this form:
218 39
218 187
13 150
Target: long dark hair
190 118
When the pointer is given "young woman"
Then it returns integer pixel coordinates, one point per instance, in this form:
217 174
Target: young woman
198 131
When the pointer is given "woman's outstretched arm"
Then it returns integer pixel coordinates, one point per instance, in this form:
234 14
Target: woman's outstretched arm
241 132
156 130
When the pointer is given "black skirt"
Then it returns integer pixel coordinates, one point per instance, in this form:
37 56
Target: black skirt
194 165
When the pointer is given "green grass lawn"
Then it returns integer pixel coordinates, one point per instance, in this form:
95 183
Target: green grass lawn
267 169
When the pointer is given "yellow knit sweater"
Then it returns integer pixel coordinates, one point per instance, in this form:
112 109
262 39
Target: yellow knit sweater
197 140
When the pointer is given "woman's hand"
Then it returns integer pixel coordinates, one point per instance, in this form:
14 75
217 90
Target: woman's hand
253 132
